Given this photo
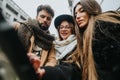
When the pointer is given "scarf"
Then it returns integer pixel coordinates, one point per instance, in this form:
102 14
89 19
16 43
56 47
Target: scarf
64 47
32 27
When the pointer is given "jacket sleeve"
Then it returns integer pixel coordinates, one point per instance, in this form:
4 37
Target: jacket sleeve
64 71
24 35
51 60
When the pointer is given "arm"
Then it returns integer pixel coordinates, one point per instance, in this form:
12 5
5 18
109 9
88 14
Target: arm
51 60
25 35
64 71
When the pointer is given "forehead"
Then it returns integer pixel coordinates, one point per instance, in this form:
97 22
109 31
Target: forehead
78 7
44 12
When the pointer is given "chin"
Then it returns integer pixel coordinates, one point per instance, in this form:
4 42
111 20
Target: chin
82 25
64 38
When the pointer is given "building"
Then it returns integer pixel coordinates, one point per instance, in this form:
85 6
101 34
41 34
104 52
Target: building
12 12
70 4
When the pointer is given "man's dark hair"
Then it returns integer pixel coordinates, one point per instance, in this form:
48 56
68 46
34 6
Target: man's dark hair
46 8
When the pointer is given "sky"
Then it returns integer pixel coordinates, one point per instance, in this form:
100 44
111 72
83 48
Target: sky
107 4
60 7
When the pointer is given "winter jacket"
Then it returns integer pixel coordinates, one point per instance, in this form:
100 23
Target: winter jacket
67 69
64 71
31 36
106 50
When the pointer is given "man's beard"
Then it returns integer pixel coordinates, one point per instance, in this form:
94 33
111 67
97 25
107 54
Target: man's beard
43 27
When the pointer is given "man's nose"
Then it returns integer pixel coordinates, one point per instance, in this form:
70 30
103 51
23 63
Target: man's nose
45 19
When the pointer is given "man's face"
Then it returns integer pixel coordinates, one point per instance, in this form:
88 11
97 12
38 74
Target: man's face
45 19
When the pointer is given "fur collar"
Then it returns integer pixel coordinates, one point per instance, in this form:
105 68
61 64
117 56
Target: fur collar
32 27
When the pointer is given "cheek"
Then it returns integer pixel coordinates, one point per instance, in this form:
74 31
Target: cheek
70 32
39 19
49 22
86 20
60 31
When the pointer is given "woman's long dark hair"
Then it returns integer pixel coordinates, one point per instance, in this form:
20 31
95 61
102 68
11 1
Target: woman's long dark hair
84 39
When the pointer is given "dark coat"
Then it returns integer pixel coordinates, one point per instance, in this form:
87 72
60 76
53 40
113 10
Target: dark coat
67 69
64 71
106 50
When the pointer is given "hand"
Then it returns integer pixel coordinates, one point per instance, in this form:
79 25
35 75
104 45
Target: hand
34 59
40 72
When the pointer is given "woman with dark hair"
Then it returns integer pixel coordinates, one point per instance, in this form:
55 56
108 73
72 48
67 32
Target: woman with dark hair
98 36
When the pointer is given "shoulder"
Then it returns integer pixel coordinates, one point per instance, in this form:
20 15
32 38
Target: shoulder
106 27
18 25
108 19
114 14
109 16
106 24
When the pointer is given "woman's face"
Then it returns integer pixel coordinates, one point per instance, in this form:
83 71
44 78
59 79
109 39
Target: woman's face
81 16
65 30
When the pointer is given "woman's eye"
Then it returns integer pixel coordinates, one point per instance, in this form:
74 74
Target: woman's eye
82 10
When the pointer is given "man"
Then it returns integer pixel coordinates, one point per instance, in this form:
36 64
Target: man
35 36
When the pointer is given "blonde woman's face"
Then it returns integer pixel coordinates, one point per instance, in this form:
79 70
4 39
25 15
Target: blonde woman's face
65 30
82 17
